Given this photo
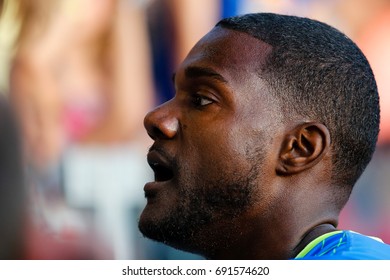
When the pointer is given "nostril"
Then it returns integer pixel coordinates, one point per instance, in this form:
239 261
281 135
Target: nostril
151 125
156 133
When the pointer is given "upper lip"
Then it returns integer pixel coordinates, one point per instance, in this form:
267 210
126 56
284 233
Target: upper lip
160 164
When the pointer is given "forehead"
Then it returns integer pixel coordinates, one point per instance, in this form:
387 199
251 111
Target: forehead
231 53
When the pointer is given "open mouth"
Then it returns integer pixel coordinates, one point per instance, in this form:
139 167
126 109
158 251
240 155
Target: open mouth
161 164
161 173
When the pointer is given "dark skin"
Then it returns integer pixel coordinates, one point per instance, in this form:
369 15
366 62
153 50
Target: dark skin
222 136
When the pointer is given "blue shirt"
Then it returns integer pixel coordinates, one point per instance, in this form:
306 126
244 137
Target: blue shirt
345 245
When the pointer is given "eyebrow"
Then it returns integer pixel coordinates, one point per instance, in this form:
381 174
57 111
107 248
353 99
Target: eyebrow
194 72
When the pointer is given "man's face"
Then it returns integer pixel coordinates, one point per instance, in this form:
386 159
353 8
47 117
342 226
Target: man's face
213 145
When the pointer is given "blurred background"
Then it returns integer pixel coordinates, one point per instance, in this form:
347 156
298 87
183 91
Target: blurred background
81 74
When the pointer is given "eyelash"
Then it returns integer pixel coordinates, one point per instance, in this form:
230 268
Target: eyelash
198 98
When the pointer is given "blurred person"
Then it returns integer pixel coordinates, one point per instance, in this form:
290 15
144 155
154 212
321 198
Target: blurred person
48 53
13 199
80 85
71 66
73 69
19 236
273 121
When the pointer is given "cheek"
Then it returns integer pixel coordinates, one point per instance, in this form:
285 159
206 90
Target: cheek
216 146
218 153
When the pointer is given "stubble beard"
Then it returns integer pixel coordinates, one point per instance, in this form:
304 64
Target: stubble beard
203 205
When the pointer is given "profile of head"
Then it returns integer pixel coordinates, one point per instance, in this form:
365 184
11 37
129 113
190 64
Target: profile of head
274 119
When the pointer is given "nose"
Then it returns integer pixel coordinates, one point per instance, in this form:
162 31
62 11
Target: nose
161 123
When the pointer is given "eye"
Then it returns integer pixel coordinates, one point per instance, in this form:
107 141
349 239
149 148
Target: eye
200 100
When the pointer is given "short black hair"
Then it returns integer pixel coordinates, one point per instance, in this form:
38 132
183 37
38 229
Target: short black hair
320 74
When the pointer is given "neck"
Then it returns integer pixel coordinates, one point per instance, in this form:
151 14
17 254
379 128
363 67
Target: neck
312 234
279 233
278 247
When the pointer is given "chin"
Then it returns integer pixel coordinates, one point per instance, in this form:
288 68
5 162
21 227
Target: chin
148 220
153 223
174 229
148 226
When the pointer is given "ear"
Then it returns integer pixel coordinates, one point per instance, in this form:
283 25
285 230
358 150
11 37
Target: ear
302 148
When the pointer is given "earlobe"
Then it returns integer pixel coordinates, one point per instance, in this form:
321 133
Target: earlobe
302 148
